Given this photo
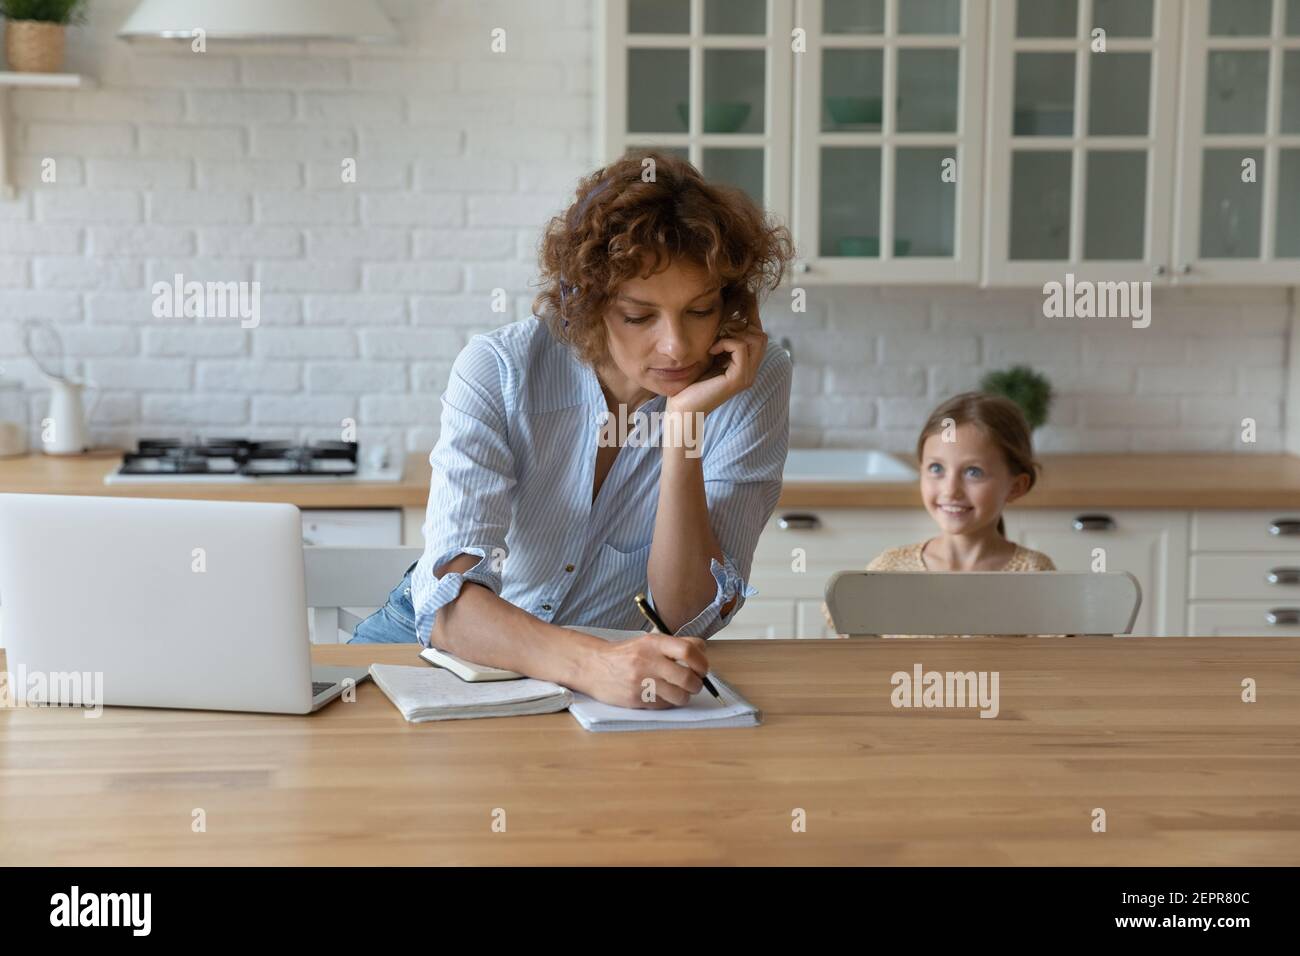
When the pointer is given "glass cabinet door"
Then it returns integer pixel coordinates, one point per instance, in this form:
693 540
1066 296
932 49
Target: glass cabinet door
889 139
1082 129
707 80
1241 116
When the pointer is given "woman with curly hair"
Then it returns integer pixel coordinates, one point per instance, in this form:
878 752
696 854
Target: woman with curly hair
648 312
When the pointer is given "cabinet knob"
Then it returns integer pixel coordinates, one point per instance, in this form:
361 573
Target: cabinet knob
1094 523
802 266
1185 269
1284 526
1284 576
1161 270
1283 616
798 522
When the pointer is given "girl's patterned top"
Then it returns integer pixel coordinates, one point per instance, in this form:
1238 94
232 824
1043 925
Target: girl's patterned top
908 558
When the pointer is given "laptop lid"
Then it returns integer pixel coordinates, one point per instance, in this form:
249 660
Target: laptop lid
189 604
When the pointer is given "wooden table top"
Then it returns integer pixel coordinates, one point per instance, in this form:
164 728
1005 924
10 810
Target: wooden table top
1152 730
1067 481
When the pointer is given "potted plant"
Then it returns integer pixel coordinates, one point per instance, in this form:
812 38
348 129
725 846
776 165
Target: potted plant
34 34
1027 388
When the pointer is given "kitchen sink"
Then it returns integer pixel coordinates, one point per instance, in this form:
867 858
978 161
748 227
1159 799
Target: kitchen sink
845 464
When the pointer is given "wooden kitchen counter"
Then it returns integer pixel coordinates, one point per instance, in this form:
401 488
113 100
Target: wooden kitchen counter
84 475
1181 481
1151 730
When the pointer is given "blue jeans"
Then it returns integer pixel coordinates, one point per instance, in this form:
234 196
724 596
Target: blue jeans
394 623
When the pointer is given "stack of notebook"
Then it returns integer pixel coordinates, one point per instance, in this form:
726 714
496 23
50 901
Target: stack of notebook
425 693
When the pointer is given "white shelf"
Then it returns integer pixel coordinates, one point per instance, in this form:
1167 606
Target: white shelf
62 81
10 80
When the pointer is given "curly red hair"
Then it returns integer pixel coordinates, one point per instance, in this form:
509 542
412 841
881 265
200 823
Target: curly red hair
619 219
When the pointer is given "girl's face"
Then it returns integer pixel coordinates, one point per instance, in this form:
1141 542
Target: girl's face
966 483
660 329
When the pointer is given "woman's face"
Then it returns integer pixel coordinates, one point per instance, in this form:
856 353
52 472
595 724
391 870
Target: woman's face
966 483
660 329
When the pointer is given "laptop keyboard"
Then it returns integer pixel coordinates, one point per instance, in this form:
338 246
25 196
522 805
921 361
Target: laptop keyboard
320 686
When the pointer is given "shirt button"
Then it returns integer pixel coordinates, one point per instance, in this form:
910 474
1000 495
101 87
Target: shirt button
546 607
568 567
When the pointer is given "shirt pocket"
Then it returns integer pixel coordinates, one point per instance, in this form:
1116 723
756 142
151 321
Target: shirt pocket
611 559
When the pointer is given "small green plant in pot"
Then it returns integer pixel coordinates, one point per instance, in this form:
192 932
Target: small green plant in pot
34 34
1027 388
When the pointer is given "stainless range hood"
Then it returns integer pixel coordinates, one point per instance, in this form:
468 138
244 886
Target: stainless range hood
352 20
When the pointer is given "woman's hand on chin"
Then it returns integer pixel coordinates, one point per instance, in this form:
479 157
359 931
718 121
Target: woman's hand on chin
740 355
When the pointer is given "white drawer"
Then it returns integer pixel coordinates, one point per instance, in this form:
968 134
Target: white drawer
352 527
1241 619
1235 577
1246 531
796 561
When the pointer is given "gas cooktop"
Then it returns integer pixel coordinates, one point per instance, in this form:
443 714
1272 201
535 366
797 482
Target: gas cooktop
236 459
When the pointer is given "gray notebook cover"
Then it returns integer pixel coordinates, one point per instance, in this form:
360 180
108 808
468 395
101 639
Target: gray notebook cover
432 693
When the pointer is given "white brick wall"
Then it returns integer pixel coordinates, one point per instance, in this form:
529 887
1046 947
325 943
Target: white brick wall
225 166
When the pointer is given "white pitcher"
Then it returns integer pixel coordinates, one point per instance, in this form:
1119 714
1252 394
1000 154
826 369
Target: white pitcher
64 432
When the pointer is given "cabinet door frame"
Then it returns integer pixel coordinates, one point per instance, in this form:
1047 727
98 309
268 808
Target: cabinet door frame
1164 600
1191 268
964 267
612 138
999 268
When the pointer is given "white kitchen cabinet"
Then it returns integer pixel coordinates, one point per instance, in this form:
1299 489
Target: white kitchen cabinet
1243 619
1088 173
889 140
1253 532
802 547
1115 156
708 80
1151 545
352 527
1081 141
858 122
1239 175
1245 573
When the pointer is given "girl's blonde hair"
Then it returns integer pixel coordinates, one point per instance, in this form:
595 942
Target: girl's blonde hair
1001 419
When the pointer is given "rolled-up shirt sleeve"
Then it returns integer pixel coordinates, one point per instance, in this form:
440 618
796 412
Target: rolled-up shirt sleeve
471 486
742 483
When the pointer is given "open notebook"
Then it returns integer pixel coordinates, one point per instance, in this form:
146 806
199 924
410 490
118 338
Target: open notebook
703 711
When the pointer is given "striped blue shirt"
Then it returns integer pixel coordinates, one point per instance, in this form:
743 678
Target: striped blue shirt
513 470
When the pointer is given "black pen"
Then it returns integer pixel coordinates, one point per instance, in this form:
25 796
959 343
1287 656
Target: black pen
643 605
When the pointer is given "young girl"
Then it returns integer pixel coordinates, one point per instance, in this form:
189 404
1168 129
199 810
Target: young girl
975 457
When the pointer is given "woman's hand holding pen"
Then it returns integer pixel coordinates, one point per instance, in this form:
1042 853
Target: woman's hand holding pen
617 670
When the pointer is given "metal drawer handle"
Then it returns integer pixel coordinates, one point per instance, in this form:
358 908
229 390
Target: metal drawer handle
1283 616
1284 526
1284 576
798 521
1094 523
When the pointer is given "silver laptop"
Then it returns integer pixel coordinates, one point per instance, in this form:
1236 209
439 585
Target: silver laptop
188 604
